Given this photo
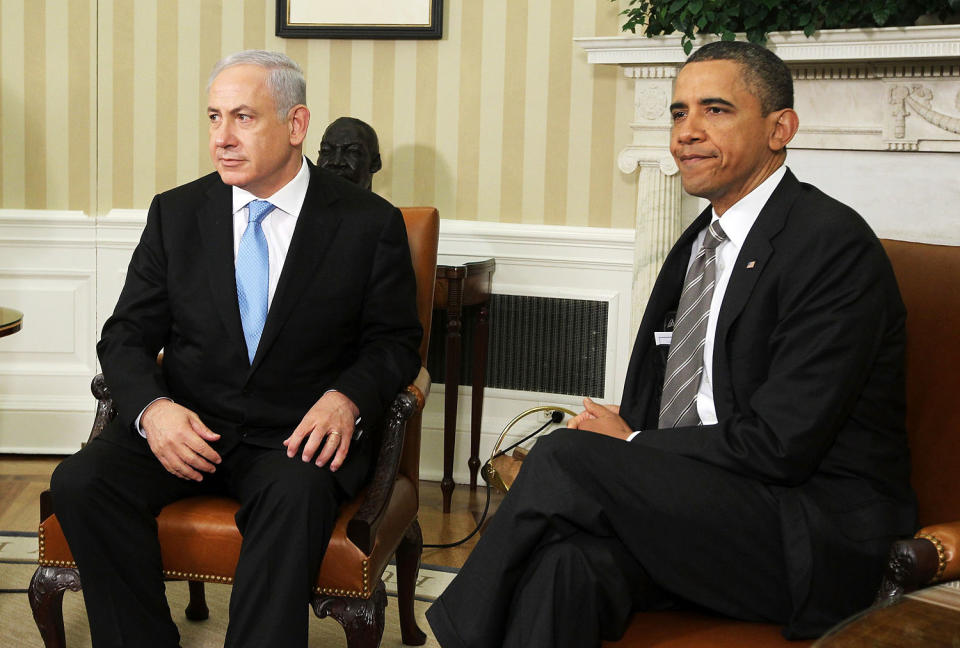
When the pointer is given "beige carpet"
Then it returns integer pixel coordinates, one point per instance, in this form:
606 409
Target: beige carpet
18 629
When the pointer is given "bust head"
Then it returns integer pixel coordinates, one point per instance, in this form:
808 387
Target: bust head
350 149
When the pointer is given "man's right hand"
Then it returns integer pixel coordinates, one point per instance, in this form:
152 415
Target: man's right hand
179 439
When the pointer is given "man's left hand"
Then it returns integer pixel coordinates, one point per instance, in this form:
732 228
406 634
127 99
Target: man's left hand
327 427
604 420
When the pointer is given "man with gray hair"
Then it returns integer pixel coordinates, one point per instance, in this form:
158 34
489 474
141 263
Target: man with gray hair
283 299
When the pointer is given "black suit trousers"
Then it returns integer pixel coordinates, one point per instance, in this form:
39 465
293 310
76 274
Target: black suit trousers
595 528
107 497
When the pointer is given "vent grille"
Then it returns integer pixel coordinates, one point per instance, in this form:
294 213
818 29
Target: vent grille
537 344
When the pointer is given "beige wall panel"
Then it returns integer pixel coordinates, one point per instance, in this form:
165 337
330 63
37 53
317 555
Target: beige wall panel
318 92
56 75
123 103
401 157
35 96
514 83
210 18
501 120
166 90
361 76
468 134
104 107
231 27
535 112
425 155
145 97
490 127
448 116
340 78
191 118
558 112
581 125
381 119
81 162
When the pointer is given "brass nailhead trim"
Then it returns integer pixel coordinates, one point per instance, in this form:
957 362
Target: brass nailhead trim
338 591
941 555
210 578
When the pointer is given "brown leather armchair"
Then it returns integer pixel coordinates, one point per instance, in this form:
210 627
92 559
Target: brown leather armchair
929 279
200 541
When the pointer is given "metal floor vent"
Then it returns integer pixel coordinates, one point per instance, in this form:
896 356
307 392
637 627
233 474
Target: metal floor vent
537 344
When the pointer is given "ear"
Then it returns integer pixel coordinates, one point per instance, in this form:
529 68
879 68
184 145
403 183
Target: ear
784 127
376 164
298 123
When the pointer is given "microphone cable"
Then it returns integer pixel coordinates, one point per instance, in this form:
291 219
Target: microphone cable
556 416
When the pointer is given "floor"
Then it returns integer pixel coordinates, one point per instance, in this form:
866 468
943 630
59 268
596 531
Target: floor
23 478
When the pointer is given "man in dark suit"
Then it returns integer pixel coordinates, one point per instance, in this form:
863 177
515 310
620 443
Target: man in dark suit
283 299
760 469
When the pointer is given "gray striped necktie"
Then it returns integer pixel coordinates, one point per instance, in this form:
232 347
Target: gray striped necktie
678 404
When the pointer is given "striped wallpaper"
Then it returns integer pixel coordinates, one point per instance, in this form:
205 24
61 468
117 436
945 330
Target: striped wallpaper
102 105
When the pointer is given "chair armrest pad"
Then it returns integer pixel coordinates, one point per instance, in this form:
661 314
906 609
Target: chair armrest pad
362 527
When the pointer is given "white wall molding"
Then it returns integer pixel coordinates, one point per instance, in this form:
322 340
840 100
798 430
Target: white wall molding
45 402
47 271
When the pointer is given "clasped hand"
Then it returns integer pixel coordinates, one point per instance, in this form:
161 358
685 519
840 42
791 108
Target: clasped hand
602 419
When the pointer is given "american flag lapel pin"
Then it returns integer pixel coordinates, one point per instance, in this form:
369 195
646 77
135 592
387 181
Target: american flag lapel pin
751 265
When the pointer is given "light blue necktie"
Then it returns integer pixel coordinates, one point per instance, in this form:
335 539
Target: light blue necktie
253 275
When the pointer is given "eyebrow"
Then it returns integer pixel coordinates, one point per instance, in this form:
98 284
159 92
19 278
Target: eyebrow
233 111
706 101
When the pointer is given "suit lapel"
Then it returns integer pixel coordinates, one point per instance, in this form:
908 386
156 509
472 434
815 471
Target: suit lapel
754 256
312 236
216 235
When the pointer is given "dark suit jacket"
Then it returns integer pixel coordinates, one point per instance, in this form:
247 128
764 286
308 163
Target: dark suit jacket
808 380
343 317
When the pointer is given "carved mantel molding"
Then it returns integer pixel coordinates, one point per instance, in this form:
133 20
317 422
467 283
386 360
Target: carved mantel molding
888 89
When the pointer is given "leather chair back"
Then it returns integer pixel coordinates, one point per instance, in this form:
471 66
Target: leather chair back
423 232
929 279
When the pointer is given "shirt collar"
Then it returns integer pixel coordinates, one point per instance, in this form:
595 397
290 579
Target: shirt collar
740 217
289 198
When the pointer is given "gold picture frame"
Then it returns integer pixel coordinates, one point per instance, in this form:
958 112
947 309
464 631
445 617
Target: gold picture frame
397 19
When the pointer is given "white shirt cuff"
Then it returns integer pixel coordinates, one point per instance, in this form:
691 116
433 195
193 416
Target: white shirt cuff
632 436
136 423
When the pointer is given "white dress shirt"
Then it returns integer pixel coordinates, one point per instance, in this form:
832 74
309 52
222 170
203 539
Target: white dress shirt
736 223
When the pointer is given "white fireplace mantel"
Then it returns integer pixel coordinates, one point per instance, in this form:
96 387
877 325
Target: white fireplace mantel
893 90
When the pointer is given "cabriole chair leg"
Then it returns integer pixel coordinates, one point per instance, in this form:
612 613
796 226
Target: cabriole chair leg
46 600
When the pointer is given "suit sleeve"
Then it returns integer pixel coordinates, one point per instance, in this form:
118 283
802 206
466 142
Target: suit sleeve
136 332
388 357
838 317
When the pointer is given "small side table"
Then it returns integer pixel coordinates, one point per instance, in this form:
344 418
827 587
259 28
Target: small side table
462 283
11 321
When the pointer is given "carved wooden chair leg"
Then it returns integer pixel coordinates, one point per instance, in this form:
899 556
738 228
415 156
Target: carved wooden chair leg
362 619
197 608
408 569
46 600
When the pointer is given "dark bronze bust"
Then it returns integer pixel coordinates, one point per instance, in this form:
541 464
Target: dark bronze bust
350 149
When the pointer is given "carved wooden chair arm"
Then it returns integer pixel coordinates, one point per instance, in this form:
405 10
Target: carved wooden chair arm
105 409
362 527
929 557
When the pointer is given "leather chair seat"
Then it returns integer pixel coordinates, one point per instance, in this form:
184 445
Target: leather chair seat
200 542
682 629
